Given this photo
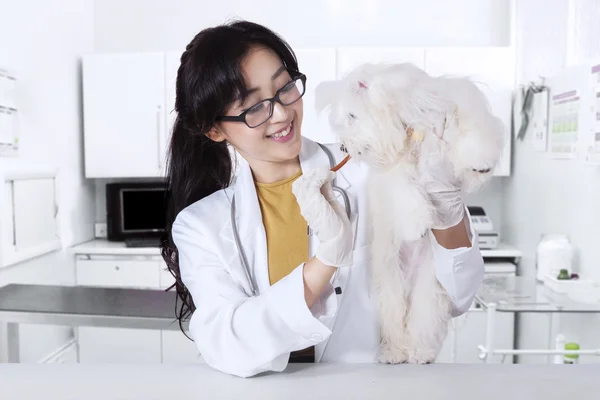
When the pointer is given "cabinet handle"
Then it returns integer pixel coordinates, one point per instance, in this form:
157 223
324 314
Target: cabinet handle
158 131
14 218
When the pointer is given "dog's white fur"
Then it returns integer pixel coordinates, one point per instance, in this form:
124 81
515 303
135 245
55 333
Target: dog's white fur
371 109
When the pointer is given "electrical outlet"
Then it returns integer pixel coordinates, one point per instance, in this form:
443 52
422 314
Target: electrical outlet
100 229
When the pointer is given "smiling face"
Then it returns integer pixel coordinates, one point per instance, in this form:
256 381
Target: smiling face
278 140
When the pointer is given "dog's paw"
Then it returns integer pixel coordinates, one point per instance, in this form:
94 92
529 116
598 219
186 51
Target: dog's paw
421 356
392 355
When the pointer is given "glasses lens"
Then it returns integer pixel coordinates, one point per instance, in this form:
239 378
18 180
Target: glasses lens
258 113
292 92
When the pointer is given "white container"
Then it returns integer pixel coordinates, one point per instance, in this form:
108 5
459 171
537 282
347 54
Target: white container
567 286
554 252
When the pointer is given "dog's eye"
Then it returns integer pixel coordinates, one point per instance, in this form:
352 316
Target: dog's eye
352 115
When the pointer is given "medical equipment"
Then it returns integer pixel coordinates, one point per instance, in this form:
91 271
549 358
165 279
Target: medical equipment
488 237
236 235
341 164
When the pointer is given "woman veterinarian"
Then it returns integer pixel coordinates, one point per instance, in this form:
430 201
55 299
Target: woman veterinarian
259 289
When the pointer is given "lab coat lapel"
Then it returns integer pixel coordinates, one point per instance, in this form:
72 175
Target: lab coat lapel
249 220
249 216
251 230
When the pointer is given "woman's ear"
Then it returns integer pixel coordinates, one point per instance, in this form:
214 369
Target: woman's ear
215 135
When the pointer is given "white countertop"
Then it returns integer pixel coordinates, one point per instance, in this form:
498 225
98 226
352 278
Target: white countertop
103 246
301 381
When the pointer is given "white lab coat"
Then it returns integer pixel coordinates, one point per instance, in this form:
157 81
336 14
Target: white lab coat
243 335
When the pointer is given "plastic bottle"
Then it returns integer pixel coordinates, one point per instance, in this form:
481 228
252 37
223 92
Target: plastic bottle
571 358
554 253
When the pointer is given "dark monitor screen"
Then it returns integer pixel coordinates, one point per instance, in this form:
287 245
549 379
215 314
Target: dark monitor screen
143 210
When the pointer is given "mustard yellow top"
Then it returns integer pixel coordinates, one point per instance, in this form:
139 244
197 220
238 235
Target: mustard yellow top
285 227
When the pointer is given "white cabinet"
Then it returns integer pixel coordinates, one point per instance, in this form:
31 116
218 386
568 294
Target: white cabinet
129 98
493 70
172 62
124 115
351 57
468 331
118 272
117 345
29 216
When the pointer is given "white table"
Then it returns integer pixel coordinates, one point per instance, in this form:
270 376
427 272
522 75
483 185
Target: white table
302 382
83 306
526 295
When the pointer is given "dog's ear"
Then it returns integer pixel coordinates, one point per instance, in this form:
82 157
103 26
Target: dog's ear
326 93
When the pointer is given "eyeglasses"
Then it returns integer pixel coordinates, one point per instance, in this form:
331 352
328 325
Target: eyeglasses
260 113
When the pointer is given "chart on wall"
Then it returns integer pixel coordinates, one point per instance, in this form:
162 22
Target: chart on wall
592 155
564 126
9 140
568 112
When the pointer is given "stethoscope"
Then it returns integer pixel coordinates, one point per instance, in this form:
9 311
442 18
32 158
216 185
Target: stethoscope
236 235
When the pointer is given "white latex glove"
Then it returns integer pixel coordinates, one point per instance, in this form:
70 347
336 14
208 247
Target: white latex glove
325 216
438 178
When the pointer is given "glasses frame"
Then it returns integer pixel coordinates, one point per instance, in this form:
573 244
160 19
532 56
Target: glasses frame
272 100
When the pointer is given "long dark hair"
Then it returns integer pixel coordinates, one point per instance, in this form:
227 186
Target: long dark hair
209 80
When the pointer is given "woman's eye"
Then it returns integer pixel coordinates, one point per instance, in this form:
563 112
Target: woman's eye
257 108
288 87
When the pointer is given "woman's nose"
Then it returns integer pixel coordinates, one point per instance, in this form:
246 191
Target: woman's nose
280 113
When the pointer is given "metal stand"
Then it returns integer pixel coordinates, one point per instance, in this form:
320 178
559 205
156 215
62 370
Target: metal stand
488 350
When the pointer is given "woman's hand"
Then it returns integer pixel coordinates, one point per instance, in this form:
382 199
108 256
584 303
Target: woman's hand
325 216
443 190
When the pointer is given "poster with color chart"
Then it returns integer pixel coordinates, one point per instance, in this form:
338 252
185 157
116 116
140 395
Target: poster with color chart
8 114
593 145
564 125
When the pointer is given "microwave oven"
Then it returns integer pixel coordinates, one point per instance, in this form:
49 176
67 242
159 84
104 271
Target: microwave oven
135 210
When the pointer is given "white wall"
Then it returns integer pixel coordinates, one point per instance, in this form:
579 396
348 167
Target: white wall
147 25
549 195
41 41
159 25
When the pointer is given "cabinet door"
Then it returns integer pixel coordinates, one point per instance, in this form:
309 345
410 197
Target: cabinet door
172 62
118 272
30 226
493 70
350 57
117 345
469 332
124 109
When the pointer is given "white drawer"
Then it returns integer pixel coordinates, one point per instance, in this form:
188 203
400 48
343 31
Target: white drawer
141 274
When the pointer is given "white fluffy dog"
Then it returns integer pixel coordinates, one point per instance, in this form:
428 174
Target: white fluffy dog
396 119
